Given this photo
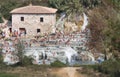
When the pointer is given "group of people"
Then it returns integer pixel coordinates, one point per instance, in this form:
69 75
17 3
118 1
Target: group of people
8 34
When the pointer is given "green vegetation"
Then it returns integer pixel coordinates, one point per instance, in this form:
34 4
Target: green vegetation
1 58
90 3
73 8
110 68
26 61
1 20
68 6
105 29
116 3
20 48
8 75
7 5
58 64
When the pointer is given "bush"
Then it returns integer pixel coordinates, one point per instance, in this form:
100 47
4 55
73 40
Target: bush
1 20
58 64
7 75
110 67
26 61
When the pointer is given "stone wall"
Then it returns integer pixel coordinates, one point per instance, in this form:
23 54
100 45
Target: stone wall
32 22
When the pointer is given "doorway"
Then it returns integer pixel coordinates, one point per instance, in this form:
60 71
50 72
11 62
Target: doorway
22 31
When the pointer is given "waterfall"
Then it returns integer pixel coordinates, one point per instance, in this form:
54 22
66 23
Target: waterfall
85 23
60 23
69 53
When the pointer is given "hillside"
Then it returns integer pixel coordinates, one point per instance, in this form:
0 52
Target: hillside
105 29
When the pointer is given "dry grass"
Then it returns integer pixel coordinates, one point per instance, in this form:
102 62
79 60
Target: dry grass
44 71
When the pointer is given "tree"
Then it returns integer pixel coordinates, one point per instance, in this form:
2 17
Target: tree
72 7
105 30
7 7
20 49
68 6
90 3
1 20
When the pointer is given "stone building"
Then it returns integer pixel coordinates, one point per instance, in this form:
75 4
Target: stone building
33 20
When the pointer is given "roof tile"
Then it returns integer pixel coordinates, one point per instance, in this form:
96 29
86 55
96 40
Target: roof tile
34 9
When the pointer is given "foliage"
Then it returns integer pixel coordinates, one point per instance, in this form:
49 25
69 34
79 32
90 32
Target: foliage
7 75
105 30
26 61
1 58
58 64
1 20
90 3
112 36
110 67
68 6
73 6
20 49
111 33
116 3
7 7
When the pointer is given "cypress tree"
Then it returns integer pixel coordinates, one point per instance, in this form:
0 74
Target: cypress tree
1 20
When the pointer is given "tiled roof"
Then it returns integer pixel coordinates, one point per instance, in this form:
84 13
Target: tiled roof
34 9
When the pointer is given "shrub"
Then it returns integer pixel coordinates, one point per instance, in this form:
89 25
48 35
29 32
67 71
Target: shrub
110 67
7 75
26 61
58 64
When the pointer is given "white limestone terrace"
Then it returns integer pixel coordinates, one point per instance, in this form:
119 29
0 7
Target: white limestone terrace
50 54
9 53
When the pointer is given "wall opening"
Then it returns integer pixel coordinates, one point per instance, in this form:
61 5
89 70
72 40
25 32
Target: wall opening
22 18
41 19
38 30
22 31
10 29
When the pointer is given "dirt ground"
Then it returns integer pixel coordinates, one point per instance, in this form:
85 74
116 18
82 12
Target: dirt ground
47 72
67 72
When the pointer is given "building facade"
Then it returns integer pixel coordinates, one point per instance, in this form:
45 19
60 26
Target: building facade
33 20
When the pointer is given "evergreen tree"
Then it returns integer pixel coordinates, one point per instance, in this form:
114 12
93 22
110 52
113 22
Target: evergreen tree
1 20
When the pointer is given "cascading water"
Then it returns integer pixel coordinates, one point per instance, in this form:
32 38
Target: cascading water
86 33
69 53
60 23
85 23
84 38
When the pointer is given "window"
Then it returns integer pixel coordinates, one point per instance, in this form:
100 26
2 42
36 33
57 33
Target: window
38 30
41 19
22 18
